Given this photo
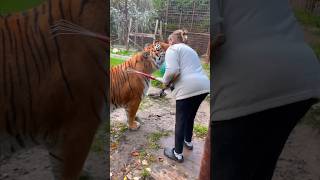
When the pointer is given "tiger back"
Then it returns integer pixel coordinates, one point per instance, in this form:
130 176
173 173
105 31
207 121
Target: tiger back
128 89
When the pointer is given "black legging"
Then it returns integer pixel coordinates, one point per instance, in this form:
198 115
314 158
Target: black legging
247 148
186 110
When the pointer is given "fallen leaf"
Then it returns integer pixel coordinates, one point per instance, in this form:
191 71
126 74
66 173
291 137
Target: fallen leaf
114 146
160 159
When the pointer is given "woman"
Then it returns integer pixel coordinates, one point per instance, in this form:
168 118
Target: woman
190 89
265 79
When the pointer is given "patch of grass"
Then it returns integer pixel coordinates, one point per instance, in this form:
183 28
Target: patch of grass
316 48
307 18
153 139
118 129
145 173
115 61
123 52
206 68
311 22
156 84
116 132
200 130
8 6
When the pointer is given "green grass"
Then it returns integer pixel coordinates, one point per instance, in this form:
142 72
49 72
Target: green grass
8 6
316 48
200 130
153 139
115 61
124 52
307 18
312 25
145 173
206 68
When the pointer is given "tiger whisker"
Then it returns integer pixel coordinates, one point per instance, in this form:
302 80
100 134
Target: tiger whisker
63 27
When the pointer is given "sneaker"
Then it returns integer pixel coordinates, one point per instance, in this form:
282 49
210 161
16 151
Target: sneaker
170 153
188 145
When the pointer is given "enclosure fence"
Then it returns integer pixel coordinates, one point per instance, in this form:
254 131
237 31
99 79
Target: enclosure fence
194 16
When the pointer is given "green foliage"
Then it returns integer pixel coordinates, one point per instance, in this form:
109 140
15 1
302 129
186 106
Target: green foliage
7 6
200 130
156 84
206 68
316 49
307 18
145 173
159 4
312 23
115 61
153 139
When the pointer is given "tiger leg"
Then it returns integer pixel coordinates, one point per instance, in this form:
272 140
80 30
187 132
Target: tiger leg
68 157
131 115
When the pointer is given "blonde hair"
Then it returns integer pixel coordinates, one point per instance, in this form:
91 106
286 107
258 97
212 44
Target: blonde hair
180 35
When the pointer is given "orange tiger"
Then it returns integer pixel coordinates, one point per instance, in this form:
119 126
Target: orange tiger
128 89
53 90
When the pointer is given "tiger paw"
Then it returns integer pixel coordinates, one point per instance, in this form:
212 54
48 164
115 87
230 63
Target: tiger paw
134 126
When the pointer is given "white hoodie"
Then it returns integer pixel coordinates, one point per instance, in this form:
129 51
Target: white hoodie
192 81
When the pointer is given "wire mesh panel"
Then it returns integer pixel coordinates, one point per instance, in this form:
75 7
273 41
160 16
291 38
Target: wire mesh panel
192 15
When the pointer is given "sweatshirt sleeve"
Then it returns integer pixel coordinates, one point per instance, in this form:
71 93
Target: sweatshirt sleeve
172 64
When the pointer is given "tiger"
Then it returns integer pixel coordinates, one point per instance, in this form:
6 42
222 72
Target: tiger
53 90
128 89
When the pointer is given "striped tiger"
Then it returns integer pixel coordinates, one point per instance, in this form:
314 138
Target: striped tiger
52 89
127 89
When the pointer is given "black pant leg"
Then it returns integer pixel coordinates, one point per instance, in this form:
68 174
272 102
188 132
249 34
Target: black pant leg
282 121
181 116
247 148
194 104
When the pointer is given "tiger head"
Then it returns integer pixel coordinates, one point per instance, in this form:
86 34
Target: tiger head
156 51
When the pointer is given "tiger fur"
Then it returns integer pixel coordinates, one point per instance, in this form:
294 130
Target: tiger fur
127 89
53 90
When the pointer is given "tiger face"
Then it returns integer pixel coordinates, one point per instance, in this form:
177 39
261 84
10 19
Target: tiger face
157 52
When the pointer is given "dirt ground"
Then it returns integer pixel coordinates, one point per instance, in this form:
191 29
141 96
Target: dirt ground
139 154
157 117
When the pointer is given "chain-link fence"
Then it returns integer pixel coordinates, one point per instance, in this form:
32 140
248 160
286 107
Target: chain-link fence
192 15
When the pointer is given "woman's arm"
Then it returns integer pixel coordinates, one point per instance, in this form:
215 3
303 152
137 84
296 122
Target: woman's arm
172 65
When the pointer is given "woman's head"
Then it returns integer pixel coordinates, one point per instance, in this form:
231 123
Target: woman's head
178 36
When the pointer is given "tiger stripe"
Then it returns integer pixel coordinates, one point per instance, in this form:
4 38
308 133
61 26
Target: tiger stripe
52 88
128 89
